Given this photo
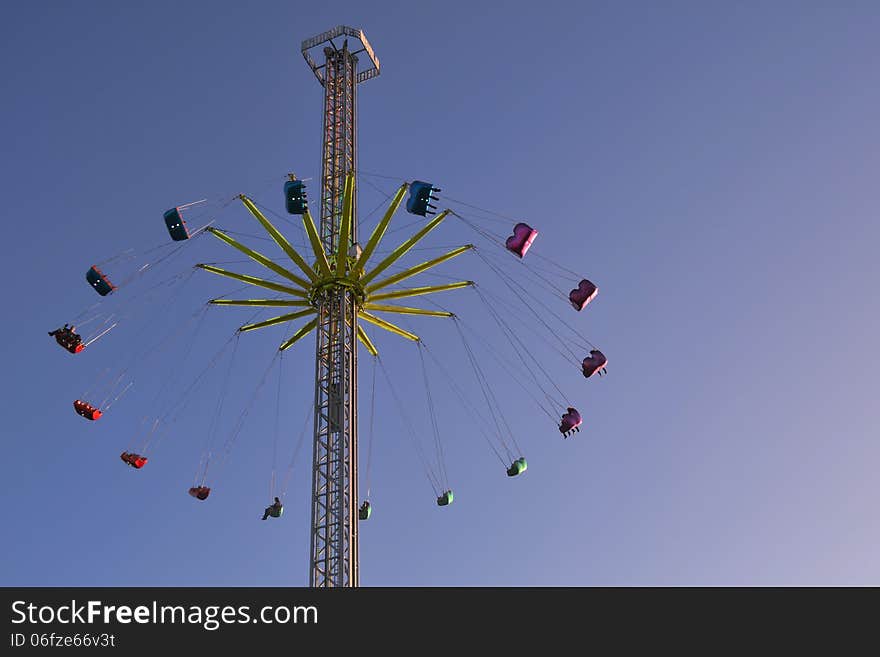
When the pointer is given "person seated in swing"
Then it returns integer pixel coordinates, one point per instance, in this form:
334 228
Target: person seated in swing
274 510
66 335
68 339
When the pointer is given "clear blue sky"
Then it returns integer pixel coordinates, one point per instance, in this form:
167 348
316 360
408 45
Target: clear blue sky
712 167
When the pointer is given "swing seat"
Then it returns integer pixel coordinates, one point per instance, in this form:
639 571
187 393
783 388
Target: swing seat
364 511
517 467
200 492
445 499
86 410
176 225
521 240
594 362
570 421
99 281
70 341
134 460
420 196
295 200
582 294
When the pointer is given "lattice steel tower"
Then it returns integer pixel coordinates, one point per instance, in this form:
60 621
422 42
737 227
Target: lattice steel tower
334 524
342 286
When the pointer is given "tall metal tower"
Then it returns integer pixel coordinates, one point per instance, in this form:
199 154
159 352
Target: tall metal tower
341 287
334 524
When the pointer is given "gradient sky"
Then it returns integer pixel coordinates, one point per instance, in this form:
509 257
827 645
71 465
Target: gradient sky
711 166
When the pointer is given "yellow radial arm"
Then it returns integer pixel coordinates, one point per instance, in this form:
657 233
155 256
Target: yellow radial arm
253 280
416 291
404 310
379 231
315 241
263 303
365 340
277 320
259 257
280 240
345 228
398 253
303 332
388 326
418 269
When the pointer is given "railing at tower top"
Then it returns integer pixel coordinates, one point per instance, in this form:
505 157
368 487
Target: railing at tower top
370 71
